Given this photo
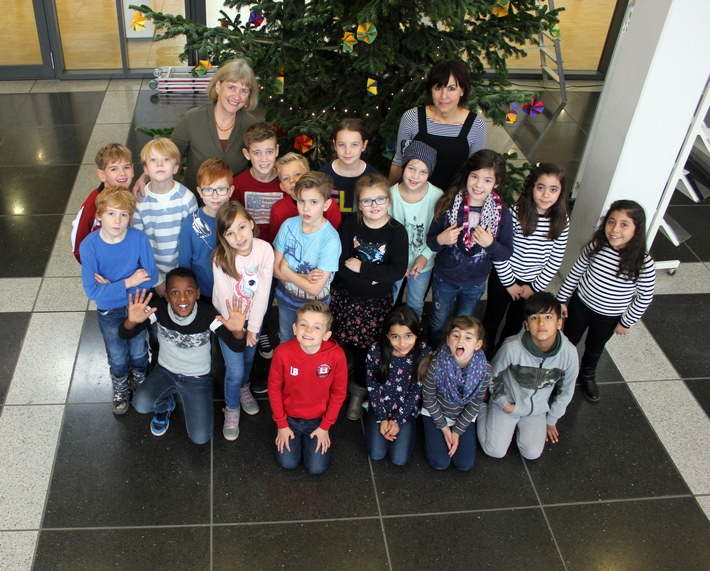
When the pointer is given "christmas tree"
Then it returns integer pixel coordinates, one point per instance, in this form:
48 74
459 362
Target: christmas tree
319 61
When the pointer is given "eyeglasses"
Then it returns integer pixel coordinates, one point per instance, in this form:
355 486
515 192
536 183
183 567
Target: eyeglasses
220 190
380 200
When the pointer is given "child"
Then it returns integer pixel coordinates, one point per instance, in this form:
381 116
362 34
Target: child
393 387
257 187
373 258
413 202
527 370
198 233
471 229
291 167
609 287
114 260
306 252
114 167
242 266
185 324
349 142
307 384
160 212
456 381
540 230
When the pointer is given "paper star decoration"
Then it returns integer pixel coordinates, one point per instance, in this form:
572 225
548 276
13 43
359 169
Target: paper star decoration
555 31
279 85
255 19
348 41
371 87
201 69
512 114
389 151
366 32
138 22
303 143
501 8
535 107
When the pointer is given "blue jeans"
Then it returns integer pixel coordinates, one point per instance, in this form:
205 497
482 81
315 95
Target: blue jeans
287 317
237 372
124 355
399 450
416 291
303 447
437 452
194 392
444 298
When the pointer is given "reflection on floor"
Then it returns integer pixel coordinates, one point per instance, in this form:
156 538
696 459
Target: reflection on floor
626 488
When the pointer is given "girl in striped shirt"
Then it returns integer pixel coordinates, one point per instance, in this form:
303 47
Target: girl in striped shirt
540 231
456 380
609 287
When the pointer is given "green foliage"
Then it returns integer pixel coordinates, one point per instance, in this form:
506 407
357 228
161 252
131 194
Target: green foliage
302 41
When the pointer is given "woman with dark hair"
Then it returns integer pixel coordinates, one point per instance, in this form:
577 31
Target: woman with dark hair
444 123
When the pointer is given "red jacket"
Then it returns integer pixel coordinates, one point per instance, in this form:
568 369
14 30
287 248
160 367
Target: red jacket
85 221
307 386
286 208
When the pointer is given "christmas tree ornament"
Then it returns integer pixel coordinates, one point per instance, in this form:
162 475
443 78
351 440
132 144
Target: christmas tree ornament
255 19
366 32
279 85
138 22
535 107
303 143
512 115
371 87
202 68
501 8
348 41
555 31
389 151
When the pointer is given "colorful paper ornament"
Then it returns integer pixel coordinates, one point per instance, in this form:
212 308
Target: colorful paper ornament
279 85
501 8
535 107
511 118
389 151
138 22
255 19
366 32
555 31
224 23
303 143
371 87
348 41
202 68
279 131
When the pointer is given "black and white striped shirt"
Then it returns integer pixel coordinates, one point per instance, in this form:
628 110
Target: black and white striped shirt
602 291
536 259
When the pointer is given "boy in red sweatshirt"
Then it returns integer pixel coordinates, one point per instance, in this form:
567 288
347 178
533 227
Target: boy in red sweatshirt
307 385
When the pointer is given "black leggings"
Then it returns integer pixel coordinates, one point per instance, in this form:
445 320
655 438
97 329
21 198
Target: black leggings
500 305
601 328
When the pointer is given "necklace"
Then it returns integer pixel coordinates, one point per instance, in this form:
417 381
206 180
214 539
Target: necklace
227 128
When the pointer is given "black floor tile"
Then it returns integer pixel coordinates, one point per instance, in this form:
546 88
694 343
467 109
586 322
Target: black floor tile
701 391
44 145
332 545
152 109
663 249
13 327
36 189
694 218
109 471
80 107
419 488
10 104
27 243
582 105
671 318
134 549
634 536
557 142
606 451
501 540
250 485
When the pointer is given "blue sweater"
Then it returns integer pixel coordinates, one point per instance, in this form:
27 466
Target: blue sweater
115 262
198 239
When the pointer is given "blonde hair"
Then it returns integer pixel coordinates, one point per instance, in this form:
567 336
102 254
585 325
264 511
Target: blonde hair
162 146
224 256
316 307
212 170
315 180
115 197
111 153
291 157
233 72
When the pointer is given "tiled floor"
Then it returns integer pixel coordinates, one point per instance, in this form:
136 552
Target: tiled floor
627 487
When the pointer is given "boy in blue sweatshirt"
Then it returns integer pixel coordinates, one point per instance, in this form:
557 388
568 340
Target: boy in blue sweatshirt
115 259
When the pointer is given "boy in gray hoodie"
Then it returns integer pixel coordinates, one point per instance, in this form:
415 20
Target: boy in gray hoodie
525 371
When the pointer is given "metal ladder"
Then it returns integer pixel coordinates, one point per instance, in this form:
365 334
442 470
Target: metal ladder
553 52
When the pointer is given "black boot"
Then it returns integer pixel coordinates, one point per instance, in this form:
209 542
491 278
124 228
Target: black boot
357 397
588 384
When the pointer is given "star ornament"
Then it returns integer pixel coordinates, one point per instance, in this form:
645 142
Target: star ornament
138 22
535 107
349 42
303 143
371 87
255 19
501 8
366 32
279 85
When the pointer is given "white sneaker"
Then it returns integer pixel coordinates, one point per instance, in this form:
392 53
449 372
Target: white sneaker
230 430
250 406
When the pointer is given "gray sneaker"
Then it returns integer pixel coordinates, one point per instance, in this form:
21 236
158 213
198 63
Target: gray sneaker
121 401
230 430
250 406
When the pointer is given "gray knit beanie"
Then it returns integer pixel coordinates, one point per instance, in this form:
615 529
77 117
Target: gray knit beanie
418 150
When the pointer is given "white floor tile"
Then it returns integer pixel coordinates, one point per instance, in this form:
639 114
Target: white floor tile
104 134
44 369
18 294
62 262
689 278
638 357
86 181
704 502
681 425
58 86
22 86
125 84
62 294
29 438
17 548
118 107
